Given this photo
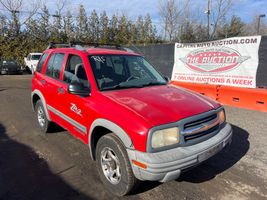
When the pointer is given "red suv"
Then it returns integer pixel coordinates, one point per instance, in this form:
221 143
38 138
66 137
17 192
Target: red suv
137 126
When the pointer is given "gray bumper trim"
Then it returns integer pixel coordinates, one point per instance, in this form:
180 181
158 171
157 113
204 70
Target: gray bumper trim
167 165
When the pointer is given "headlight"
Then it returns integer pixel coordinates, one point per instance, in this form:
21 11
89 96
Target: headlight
165 137
221 115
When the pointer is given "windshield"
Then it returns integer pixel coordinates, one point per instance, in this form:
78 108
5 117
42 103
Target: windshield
123 71
36 57
9 62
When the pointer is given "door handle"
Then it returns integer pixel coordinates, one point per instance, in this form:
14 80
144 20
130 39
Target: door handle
43 81
61 90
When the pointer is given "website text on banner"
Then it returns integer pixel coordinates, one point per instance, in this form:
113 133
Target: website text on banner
232 62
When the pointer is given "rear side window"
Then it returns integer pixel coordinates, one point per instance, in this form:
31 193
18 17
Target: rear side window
41 62
54 65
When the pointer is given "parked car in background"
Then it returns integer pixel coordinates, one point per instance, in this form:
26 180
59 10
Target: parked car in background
31 61
10 66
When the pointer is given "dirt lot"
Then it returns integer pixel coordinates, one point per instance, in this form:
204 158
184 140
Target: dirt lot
57 166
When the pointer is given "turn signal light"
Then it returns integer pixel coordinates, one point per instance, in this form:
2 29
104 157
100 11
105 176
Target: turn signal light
139 164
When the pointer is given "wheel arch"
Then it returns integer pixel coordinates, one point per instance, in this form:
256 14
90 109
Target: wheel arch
35 96
101 127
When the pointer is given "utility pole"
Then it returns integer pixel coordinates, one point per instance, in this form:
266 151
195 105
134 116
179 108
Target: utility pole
208 16
15 24
259 22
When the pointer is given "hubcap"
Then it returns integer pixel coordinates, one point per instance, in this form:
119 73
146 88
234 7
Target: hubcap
110 165
41 116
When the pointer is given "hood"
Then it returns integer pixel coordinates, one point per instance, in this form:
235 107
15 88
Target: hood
159 105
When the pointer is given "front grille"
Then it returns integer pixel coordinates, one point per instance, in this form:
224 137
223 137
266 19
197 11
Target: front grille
200 134
197 122
201 127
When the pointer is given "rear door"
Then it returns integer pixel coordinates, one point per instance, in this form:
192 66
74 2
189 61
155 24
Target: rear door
38 81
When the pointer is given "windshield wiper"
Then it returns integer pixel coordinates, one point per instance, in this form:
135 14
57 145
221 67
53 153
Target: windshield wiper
120 86
124 86
153 83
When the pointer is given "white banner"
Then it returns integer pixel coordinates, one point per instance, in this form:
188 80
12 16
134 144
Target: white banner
232 61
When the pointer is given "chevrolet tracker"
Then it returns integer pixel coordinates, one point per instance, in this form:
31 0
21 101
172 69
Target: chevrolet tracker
137 126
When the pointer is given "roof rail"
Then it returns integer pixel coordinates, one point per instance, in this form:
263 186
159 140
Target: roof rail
96 44
78 45
53 45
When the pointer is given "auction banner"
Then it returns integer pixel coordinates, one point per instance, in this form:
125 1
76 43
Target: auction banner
231 61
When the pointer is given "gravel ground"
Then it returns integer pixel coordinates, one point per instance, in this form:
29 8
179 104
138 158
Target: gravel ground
57 166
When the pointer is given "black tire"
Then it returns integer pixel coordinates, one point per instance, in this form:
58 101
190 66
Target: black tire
46 125
127 182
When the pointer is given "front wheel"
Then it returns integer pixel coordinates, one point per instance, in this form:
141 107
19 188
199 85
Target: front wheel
42 121
113 165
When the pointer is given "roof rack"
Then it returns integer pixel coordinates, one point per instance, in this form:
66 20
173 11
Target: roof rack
53 45
79 45
95 44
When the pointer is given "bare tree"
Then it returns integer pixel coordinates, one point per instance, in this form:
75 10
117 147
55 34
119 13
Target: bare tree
251 28
170 13
220 9
3 25
16 8
68 25
57 27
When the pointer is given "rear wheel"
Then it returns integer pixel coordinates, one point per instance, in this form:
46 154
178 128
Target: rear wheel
42 121
113 165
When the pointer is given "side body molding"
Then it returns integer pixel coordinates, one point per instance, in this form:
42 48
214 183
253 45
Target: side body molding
37 92
118 131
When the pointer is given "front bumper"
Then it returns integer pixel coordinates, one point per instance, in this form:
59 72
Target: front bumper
167 165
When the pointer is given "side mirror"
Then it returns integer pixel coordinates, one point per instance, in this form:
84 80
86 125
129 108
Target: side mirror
167 79
78 89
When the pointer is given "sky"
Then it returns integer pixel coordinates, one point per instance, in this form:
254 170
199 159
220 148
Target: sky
246 9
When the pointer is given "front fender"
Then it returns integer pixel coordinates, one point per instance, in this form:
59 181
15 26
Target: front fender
117 130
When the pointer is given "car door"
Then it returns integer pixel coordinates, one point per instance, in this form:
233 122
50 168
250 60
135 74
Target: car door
53 86
73 107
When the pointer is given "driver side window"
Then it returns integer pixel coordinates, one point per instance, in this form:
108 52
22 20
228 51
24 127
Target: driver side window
75 72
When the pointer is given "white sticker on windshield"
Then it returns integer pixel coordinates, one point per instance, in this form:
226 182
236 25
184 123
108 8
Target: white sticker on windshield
99 59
